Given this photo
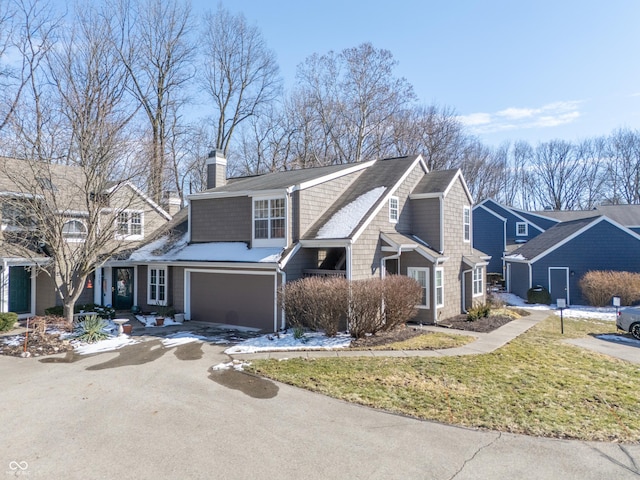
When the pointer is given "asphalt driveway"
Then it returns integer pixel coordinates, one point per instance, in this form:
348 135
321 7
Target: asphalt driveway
152 412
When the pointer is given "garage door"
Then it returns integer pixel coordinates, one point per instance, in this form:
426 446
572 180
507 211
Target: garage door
234 299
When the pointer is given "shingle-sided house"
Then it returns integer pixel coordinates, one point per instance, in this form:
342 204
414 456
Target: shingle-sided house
245 237
558 258
24 287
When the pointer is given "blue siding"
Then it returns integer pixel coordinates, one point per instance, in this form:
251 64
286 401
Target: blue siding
512 220
635 229
519 279
544 223
602 247
488 237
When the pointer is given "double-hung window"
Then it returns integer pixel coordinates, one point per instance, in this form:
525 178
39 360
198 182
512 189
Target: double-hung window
393 209
477 281
269 221
421 275
157 286
129 225
466 223
439 287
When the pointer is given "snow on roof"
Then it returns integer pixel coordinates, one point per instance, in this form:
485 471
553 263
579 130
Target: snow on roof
517 256
345 220
205 252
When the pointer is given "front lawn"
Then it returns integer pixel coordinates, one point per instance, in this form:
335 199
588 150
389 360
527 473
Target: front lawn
535 385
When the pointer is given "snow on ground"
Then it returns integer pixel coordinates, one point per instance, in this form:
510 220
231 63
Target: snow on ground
107 345
574 311
150 321
235 364
287 341
181 338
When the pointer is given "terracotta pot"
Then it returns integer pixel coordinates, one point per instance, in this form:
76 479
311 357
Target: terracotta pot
127 328
159 321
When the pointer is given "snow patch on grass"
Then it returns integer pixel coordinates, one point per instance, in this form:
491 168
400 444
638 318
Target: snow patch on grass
287 341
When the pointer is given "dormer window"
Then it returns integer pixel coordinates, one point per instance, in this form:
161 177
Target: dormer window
393 209
129 225
269 222
522 229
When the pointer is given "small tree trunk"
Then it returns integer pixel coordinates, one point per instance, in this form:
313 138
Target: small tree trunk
67 310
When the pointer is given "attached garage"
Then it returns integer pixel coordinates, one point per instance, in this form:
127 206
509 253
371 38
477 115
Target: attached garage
233 297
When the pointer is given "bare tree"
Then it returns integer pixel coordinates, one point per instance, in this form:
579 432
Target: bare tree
152 38
623 148
354 96
70 210
592 154
240 74
557 175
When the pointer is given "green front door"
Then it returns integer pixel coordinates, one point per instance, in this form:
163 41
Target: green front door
123 288
19 290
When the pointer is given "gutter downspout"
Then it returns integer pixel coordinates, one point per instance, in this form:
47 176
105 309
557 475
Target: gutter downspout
383 262
283 318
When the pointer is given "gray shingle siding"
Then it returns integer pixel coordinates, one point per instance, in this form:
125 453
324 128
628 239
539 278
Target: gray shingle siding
314 201
425 214
221 220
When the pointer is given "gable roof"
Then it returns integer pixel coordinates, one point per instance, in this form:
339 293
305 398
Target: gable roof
557 236
491 205
375 184
438 183
627 215
287 180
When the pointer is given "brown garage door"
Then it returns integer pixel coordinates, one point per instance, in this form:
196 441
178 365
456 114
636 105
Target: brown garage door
234 299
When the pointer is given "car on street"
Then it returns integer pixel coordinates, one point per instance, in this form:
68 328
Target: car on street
629 320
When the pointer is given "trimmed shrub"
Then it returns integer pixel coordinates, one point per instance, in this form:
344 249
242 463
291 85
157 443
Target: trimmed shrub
317 303
478 312
600 286
401 295
538 294
365 312
7 321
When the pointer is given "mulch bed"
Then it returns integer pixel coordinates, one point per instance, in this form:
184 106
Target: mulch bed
460 322
383 338
37 345
482 325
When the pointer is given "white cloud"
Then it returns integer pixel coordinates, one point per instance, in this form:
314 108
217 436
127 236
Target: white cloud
512 118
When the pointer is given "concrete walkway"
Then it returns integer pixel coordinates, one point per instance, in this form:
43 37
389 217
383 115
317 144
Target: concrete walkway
613 349
484 343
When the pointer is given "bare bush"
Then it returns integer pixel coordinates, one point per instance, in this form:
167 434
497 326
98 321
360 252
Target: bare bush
599 286
401 295
365 310
316 303
40 324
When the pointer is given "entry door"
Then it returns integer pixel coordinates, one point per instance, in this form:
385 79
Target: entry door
19 290
123 288
559 283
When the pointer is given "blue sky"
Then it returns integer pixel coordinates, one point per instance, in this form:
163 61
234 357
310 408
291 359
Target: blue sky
512 70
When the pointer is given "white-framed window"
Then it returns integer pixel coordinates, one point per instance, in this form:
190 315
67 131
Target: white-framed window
421 275
522 229
393 209
157 286
74 231
269 221
129 225
439 287
478 281
466 223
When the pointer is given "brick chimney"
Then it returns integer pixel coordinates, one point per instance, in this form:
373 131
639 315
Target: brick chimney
171 202
216 169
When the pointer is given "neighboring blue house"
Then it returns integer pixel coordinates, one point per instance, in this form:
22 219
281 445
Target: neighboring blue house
558 258
499 229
